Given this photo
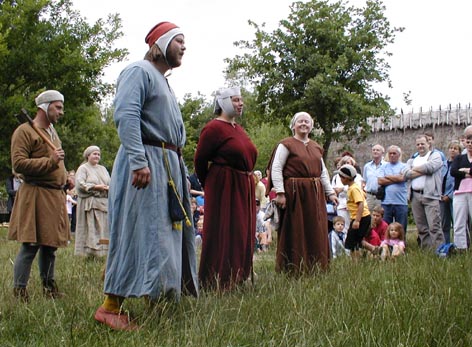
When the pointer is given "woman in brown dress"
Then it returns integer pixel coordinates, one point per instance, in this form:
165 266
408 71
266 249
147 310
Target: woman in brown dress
301 180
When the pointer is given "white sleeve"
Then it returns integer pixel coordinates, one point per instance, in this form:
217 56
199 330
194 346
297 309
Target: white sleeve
280 158
325 180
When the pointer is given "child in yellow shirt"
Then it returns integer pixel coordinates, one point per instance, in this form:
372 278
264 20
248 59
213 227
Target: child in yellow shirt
358 210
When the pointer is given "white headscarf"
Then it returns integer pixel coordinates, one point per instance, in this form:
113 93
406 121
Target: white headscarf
223 100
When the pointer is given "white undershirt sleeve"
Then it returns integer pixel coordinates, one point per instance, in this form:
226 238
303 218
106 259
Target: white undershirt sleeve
280 158
325 180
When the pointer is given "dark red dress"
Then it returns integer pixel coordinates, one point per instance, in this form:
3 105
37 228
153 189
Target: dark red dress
302 243
224 161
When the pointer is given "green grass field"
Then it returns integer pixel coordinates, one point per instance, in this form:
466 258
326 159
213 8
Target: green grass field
419 300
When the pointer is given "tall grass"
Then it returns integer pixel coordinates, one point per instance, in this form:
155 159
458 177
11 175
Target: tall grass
419 300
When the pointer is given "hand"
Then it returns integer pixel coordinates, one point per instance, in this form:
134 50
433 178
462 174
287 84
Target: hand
334 199
280 200
58 155
141 178
355 225
101 187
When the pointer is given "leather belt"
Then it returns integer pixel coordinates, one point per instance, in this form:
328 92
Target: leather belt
161 144
45 185
419 191
247 173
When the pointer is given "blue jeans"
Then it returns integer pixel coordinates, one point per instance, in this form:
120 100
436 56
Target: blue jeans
396 213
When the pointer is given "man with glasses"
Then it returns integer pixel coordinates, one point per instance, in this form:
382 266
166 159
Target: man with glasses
391 175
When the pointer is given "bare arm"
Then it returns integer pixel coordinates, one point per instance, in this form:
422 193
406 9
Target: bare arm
390 179
360 209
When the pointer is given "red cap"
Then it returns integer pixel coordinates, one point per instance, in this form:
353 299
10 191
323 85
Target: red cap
157 31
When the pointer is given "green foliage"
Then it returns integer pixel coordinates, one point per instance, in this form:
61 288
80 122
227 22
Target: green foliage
47 44
266 136
96 129
326 59
419 300
196 112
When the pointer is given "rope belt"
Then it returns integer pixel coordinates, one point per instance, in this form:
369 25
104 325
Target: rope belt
315 180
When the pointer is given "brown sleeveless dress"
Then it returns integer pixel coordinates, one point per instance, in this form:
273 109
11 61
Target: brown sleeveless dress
303 245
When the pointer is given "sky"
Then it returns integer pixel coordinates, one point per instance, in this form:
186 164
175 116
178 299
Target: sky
431 57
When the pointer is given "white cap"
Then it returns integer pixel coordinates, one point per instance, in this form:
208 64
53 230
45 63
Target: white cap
48 96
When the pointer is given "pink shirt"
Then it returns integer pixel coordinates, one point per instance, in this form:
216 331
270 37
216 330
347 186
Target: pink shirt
465 186
391 242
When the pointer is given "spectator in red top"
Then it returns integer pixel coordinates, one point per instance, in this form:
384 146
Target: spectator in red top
376 234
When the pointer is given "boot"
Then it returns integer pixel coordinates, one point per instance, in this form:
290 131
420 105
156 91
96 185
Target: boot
21 293
51 291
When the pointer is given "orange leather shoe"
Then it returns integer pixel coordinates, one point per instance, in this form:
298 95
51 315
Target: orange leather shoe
116 321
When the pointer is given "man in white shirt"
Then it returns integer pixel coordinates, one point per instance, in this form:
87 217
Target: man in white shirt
424 171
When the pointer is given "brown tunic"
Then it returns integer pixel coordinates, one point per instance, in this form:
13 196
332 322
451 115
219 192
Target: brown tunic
39 214
303 236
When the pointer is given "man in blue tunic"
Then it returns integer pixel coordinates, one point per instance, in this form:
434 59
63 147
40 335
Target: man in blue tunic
150 254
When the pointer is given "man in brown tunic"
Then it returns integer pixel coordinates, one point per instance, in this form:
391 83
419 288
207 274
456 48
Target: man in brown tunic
39 219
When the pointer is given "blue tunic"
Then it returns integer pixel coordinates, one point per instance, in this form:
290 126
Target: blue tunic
149 255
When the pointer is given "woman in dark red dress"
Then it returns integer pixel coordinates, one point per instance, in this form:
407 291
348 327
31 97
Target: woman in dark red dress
300 178
224 161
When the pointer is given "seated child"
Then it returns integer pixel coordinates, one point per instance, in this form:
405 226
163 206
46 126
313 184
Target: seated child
336 238
378 224
376 234
394 243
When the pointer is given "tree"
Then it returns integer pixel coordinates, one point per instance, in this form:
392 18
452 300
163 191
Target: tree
265 137
326 59
46 44
94 130
196 112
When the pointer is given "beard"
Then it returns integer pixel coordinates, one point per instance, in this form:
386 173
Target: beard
174 60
